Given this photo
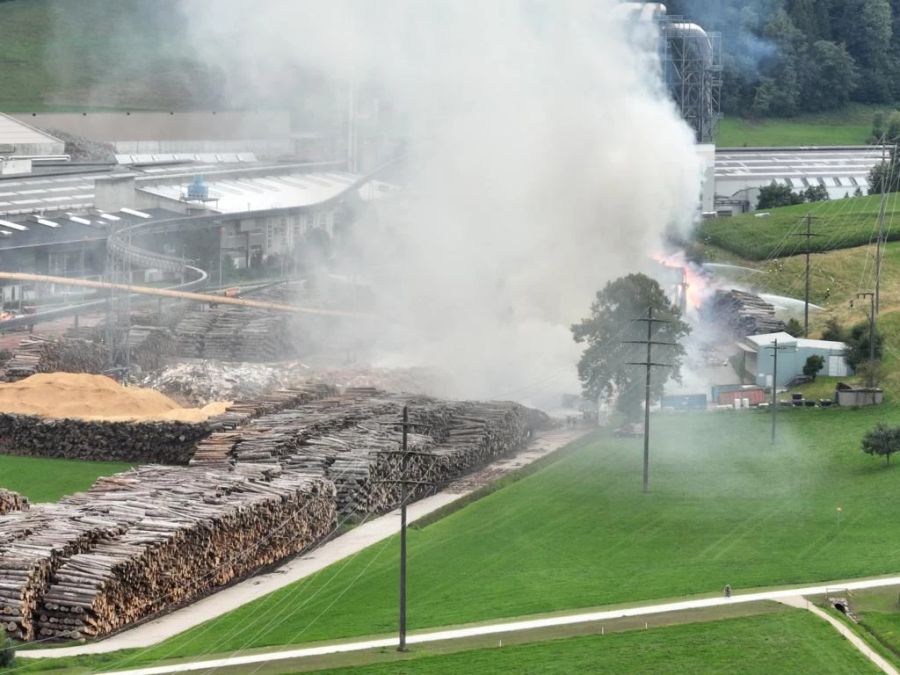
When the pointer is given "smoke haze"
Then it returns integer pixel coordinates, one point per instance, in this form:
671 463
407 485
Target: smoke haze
543 161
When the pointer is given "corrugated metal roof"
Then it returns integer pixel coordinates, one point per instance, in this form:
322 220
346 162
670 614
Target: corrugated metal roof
14 132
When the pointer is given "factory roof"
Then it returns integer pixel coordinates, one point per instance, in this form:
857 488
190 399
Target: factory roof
237 192
65 190
62 228
788 340
16 133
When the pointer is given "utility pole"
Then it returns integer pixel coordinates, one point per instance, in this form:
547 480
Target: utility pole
809 235
775 349
648 364
879 247
872 310
404 483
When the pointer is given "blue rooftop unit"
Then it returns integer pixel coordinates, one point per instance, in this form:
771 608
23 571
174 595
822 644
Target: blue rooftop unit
198 190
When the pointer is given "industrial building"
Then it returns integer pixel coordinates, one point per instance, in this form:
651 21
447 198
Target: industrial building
756 362
740 172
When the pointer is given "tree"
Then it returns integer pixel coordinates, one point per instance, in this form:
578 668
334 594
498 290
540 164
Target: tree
793 328
813 365
774 195
857 341
885 175
816 193
831 77
882 440
834 331
603 368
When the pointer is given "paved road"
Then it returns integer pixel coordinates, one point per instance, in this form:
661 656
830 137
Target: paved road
510 627
352 542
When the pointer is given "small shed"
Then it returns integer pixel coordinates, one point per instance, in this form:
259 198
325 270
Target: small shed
757 361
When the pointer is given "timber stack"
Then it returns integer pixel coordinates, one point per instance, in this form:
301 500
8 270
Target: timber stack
12 501
188 533
42 354
270 482
744 313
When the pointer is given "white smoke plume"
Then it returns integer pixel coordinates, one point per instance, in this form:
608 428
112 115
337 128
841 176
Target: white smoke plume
544 161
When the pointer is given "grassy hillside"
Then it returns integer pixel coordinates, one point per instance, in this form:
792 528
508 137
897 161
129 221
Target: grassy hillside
849 126
842 223
46 480
786 642
725 507
98 54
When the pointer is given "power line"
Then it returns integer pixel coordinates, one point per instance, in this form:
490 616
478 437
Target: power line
775 349
404 483
649 365
809 235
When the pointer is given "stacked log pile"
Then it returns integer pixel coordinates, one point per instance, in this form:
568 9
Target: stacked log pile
150 346
267 484
165 442
744 313
41 354
237 334
12 501
31 552
195 531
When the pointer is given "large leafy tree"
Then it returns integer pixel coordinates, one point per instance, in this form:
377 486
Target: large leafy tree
882 440
603 368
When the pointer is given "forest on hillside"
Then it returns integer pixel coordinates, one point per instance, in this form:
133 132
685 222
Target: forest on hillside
784 57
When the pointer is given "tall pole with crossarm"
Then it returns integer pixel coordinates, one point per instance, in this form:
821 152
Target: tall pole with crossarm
648 365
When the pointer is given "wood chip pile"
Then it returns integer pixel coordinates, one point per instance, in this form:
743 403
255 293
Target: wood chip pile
160 441
41 354
744 313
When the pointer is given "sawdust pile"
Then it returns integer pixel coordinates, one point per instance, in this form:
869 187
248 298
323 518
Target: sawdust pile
95 397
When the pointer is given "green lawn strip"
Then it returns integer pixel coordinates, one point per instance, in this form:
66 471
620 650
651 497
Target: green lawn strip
785 642
878 614
725 507
851 125
44 479
840 223
130 658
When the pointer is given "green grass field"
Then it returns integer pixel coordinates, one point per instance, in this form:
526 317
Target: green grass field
785 642
726 507
837 224
97 55
851 125
46 480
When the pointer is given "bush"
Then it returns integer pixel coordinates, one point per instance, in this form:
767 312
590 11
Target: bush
7 651
813 365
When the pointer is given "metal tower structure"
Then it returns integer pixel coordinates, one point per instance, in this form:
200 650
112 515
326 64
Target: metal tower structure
118 308
692 66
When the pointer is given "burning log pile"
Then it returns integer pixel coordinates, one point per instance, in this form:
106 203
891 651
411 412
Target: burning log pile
164 441
187 533
744 313
12 501
41 354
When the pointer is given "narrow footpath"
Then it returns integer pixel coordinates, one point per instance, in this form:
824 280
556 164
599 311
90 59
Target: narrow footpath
344 546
